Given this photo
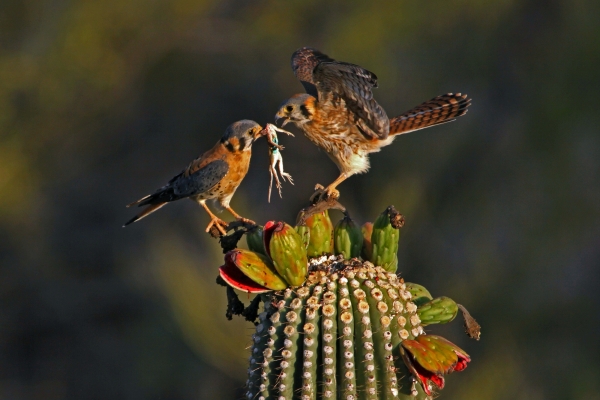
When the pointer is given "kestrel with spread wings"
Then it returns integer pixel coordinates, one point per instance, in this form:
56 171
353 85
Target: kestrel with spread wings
216 174
339 114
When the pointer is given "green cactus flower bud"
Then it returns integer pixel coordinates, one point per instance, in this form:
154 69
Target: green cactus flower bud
437 311
367 231
348 238
420 295
287 251
256 267
304 233
385 239
321 234
254 239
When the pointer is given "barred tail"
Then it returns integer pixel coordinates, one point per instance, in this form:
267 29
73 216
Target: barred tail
439 110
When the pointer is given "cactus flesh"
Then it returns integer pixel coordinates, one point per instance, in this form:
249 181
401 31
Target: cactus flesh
338 327
341 335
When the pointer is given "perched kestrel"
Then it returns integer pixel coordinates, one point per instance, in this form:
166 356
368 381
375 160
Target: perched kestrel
339 114
216 174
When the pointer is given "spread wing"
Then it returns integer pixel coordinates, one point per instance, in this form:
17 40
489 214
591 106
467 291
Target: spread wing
186 185
304 61
328 79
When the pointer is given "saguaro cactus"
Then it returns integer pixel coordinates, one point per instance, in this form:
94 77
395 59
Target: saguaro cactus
344 327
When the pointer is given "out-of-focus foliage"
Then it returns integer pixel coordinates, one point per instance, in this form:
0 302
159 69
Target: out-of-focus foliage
103 101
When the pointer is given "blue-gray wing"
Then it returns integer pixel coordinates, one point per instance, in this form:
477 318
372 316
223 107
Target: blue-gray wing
200 181
182 185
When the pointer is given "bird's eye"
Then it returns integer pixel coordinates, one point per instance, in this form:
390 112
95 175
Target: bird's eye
289 108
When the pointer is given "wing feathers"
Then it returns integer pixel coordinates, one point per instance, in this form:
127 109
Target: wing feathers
341 82
353 85
182 186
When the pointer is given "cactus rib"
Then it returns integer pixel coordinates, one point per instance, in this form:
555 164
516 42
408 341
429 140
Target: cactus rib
346 353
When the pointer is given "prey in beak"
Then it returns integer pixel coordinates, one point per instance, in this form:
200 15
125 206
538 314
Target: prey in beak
276 160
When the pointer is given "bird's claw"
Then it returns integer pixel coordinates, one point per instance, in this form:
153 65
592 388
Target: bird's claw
246 221
217 227
324 193
332 193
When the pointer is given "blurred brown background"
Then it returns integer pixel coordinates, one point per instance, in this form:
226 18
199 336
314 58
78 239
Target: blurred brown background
101 102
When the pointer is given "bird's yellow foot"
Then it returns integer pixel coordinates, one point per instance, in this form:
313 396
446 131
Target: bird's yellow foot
332 193
217 227
246 221
316 196
324 193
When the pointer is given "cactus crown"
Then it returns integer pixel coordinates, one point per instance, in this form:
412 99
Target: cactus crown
340 325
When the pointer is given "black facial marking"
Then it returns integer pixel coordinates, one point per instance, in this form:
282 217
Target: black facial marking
228 145
304 111
242 143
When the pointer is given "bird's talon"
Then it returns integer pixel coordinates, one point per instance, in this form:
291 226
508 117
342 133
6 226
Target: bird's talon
316 196
217 227
246 221
333 194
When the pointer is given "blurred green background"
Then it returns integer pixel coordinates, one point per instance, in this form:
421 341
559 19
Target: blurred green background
101 102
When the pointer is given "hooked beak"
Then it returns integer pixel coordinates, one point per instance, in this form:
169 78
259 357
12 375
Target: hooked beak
261 133
279 117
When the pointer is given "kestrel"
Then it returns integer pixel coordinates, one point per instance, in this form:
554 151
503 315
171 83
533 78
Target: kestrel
339 114
216 174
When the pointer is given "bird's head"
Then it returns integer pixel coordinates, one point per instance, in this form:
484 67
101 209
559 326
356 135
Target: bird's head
298 109
240 135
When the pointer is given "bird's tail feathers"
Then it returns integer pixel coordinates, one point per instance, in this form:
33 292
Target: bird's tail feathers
145 212
140 201
164 194
439 110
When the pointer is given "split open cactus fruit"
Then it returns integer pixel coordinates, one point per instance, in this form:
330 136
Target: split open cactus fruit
338 326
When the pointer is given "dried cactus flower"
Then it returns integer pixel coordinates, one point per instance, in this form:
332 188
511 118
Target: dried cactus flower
367 231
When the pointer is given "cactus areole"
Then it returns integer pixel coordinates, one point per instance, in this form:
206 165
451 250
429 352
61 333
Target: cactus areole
335 327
